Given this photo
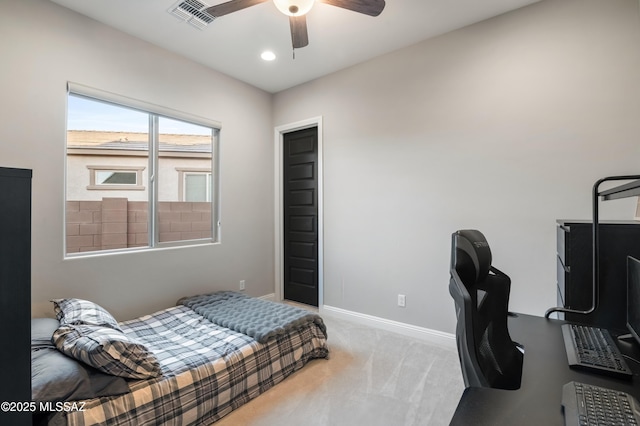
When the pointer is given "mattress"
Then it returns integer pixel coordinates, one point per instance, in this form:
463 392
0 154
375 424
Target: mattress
207 371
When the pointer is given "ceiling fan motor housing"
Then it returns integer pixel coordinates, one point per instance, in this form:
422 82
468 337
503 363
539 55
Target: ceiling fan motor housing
294 7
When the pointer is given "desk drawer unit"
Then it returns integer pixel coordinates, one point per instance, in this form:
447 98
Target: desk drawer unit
575 270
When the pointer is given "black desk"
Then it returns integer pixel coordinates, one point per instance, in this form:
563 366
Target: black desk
545 370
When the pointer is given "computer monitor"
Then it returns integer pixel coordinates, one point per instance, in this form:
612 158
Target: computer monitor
633 297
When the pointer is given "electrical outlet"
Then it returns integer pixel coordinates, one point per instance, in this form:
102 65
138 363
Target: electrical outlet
402 300
242 285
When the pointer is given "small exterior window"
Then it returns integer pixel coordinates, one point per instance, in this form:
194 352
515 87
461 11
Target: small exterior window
118 178
110 177
195 185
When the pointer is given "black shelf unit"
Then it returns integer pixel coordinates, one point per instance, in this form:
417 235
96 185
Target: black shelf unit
631 189
15 292
618 239
595 314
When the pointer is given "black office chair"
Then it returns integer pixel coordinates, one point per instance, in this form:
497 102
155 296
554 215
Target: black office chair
488 356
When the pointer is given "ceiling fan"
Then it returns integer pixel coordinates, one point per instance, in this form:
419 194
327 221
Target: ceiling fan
296 10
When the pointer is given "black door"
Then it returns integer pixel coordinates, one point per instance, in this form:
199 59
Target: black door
300 175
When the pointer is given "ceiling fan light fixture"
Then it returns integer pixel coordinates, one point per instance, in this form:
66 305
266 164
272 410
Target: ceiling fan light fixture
294 7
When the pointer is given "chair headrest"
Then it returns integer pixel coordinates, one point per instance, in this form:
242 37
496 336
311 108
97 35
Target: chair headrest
470 255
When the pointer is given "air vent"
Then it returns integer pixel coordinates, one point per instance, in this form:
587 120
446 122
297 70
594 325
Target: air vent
192 11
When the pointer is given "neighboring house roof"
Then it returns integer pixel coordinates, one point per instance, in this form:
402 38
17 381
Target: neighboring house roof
92 139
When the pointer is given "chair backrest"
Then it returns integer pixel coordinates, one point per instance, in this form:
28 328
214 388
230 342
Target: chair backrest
488 356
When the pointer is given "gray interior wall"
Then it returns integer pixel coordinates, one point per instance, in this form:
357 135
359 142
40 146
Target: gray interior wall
502 126
43 46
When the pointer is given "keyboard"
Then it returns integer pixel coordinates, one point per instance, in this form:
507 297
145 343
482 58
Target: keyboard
593 405
594 349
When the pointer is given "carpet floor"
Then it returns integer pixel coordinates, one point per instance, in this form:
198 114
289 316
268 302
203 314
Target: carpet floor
373 377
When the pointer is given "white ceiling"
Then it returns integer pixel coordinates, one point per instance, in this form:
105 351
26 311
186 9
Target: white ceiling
338 38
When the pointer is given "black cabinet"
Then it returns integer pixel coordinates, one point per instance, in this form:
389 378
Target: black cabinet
618 240
15 292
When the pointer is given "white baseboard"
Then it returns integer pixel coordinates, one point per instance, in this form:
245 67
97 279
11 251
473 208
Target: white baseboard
271 297
432 336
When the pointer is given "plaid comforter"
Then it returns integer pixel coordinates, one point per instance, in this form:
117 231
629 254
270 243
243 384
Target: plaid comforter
207 371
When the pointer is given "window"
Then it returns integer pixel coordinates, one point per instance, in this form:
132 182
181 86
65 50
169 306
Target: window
195 184
112 177
115 177
152 176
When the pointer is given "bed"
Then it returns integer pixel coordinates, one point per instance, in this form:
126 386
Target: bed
178 366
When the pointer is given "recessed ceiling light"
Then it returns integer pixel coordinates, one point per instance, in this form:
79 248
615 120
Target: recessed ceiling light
268 55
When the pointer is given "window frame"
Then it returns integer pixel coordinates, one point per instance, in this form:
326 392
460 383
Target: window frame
93 185
155 112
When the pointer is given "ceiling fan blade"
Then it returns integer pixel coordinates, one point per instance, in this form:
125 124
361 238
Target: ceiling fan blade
368 7
299 36
231 6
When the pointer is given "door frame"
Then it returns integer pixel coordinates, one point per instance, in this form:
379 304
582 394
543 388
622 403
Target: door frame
279 133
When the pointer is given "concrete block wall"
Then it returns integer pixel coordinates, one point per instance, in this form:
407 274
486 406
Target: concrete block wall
115 223
184 220
137 224
84 226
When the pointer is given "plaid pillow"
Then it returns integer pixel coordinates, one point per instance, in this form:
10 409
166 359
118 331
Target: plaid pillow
108 350
78 311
